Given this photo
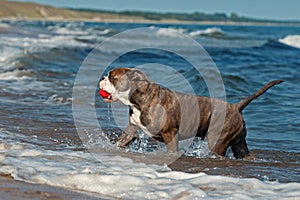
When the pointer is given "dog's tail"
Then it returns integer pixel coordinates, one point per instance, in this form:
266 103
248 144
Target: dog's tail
243 103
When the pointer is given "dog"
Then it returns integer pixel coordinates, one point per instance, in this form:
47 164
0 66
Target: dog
169 116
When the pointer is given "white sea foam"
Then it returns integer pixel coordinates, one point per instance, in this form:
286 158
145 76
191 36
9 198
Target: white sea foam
105 31
208 31
7 53
177 33
16 75
4 25
23 43
68 31
11 48
170 32
120 177
291 40
55 99
29 44
76 30
8 56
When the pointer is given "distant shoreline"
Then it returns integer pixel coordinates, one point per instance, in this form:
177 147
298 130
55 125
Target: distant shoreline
220 23
21 11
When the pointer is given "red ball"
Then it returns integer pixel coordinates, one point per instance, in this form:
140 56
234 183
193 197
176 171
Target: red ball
104 94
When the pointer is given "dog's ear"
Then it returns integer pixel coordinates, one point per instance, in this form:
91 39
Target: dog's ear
136 75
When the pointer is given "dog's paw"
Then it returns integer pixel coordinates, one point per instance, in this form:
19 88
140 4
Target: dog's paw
249 157
125 139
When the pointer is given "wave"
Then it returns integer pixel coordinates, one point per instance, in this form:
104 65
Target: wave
74 29
103 31
7 53
4 25
79 171
212 32
16 75
12 49
18 43
170 32
291 40
14 45
176 32
276 44
68 31
55 99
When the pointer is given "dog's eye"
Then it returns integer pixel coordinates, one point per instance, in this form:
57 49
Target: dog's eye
111 77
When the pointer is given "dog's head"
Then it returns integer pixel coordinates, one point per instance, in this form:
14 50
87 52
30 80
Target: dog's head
118 83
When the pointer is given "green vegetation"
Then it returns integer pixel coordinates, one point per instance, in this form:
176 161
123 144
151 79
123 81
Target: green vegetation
194 17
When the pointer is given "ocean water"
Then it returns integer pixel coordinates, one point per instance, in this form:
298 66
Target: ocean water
40 143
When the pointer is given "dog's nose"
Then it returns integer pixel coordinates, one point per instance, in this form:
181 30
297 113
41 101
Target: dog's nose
102 78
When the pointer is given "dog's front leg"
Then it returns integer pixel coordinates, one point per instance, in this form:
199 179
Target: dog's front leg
127 136
171 140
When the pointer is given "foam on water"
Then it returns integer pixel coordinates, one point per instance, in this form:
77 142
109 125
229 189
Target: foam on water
174 32
43 41
7 53
56 99
105 31
27 41
120 177
24 43
170 32
291 40
209 31
68 31
4 25
8 56
16 75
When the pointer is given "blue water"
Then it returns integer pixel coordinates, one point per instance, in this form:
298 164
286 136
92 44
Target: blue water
39 62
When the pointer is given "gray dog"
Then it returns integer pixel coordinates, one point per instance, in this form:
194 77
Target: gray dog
170 116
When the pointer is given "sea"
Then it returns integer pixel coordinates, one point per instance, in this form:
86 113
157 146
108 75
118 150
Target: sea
56 130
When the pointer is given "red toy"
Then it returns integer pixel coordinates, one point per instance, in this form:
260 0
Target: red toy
104 94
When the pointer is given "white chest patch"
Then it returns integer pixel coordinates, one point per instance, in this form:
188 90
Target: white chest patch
135 119
123 97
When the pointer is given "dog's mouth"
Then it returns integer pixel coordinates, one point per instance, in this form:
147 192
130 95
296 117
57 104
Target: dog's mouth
107 97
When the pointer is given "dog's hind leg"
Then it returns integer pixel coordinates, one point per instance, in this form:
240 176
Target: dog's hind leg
240 149
239 146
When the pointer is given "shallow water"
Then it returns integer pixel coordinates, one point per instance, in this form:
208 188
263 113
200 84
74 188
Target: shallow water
39 62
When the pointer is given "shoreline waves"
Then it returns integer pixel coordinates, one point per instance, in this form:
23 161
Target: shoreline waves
13 189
